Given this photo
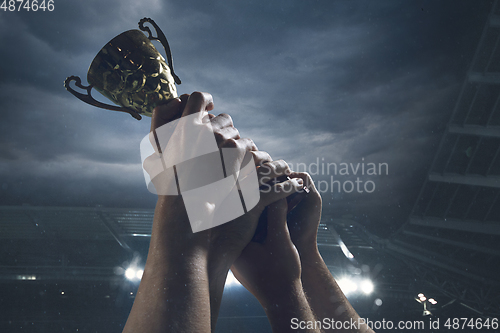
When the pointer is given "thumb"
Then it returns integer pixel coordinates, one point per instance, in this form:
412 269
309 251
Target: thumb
198 102
276 221
165 113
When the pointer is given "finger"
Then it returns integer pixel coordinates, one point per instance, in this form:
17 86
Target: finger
260 157
221 121
270 170
198 102
184 98
308 182
208 118
165 113
295 199
272 193
224 134
242 143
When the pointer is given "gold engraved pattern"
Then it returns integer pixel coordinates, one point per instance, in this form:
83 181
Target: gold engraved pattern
131 72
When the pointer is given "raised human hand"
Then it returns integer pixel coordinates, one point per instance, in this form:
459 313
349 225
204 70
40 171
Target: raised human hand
222 244
269 269
304 219
240 230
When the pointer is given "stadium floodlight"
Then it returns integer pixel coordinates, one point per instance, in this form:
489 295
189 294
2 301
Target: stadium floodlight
367 287
347 285
133 273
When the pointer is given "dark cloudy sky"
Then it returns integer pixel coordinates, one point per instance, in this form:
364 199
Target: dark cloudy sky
338 81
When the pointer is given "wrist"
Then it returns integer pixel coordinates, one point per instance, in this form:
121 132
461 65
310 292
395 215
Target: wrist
308 250
171 224
281 309
310 259
280 294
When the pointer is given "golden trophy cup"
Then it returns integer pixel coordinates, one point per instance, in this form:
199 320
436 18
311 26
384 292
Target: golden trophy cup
130 72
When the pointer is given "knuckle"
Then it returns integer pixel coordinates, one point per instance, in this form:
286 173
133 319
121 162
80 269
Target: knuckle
279 166
219 137
231 143
267 168
272 167
251 145
261 156
262 164
306 175
228 117
283 164
197 95
264 169
246 143
255 155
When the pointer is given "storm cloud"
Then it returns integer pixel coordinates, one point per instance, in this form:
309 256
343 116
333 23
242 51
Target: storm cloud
338 81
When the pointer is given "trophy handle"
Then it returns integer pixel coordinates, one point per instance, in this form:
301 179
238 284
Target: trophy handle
90 100
163 40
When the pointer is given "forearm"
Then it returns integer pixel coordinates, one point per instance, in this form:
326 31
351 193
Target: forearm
323 293
285 306
217 279
173 294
